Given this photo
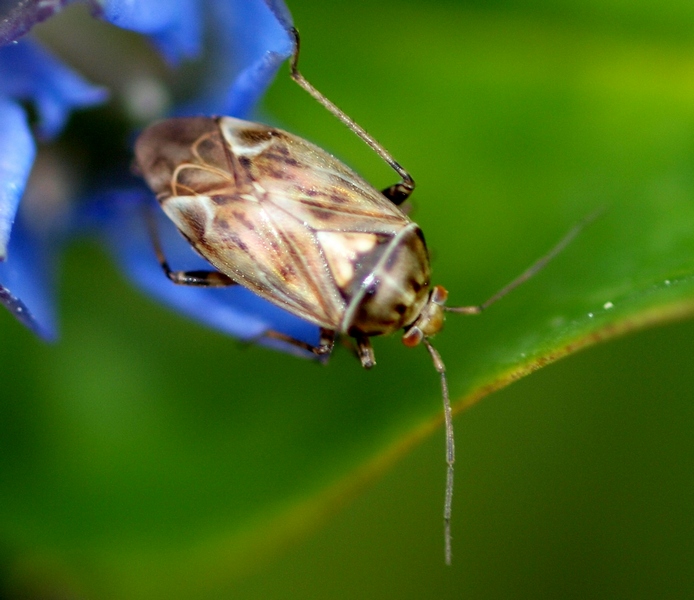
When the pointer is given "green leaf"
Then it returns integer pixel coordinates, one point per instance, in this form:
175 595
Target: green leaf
145 457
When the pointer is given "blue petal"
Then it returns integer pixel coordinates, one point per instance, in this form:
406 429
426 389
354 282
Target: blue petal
17 153
247 42
174 25
18 20
281 12
234 310
30 73
27 282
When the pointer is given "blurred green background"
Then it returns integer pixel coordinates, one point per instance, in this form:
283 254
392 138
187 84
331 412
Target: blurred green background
144 456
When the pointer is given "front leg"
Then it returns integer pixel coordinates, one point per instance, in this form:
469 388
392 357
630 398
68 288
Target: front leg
397 193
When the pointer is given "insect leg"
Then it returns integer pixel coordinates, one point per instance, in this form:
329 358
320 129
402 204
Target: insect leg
198 278
324 347
192 278
365 352
398 192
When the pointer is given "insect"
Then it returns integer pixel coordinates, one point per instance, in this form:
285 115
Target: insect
285 219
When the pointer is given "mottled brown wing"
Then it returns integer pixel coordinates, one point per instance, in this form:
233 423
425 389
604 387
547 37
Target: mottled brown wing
353 223
274 212
308 183
274 256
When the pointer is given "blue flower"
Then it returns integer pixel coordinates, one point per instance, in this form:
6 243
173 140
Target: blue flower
30 75
237 47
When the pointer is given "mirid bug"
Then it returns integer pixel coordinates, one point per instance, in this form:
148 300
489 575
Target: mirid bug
285 219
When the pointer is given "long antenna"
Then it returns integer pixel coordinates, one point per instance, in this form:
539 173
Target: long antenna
400 190
441 368
450 448
530 271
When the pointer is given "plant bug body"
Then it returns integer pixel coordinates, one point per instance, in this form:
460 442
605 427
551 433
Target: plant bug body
288 221
282 217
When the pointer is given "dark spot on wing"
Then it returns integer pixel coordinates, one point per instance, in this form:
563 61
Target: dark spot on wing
241 217
339 198
195 222
252 137
277 173
239 243
287 272
245 161
324 215
221 199
282 158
